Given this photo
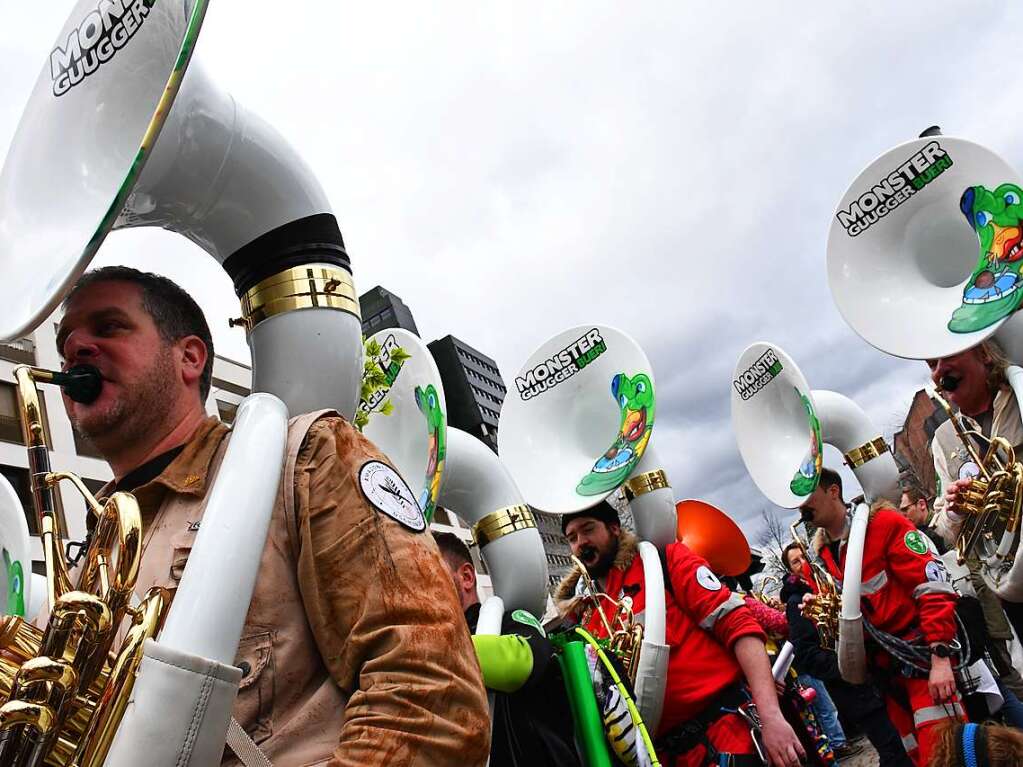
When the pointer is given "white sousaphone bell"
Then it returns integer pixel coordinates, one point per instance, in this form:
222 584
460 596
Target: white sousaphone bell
576 428
447 467
934 268
18 594
781 427
117 134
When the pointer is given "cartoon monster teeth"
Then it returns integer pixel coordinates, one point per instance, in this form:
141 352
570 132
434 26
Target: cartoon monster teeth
635 397
993 290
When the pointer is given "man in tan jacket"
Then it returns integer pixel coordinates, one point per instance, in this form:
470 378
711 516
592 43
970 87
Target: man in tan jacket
354 650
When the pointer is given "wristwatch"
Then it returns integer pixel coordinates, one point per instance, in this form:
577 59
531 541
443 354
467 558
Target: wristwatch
942 650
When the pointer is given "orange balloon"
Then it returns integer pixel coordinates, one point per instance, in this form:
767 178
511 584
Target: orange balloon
713 535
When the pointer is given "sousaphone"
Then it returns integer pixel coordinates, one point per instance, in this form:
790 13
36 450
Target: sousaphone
713 535
447 467
16 588
576 428
781 427
924 261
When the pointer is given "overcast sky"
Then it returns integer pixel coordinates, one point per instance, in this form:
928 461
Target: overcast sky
511 170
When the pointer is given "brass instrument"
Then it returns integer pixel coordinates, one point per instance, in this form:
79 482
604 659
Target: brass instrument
824 610
761 594
66 686
625 633
991 504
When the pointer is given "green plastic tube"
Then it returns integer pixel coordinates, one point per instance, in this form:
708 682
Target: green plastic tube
589 729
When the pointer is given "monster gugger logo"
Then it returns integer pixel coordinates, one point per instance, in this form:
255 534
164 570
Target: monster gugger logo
429 404
635 396
993 290
809 474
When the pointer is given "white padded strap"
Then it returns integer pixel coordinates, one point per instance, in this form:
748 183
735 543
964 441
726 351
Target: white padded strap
248 753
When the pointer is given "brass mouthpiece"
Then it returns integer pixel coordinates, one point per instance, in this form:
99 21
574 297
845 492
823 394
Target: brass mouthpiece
82 383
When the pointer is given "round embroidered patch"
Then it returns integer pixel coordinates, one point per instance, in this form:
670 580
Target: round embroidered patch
387 493
936 571
915 542
527 619
969 470
707 579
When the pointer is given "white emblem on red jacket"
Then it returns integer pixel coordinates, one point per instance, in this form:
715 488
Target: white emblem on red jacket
707 579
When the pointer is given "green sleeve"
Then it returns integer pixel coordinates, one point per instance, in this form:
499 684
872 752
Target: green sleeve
507 661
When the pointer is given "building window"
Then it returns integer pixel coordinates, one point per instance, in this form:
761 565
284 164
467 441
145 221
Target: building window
10 418
21 350
227 411
19 480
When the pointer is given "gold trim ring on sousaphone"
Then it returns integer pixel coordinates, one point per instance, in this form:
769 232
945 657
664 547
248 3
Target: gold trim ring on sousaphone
866 452
646 482
299 287
502 522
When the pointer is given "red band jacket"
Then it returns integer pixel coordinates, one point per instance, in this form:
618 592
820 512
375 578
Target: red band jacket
905 587
704 619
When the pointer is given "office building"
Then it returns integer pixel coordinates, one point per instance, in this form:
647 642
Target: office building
473 388
383 309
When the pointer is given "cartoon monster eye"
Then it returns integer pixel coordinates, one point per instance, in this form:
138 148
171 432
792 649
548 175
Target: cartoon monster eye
983 218
623 400
1011 198
433 401
640 387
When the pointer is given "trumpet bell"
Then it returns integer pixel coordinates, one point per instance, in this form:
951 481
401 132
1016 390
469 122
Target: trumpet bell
113 74
713 535
776 425
579 420
407 416
924 252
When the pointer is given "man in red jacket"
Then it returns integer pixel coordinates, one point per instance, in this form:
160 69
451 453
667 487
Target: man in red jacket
906 596
716 657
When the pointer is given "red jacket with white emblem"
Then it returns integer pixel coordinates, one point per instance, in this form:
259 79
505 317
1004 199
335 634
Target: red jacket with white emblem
905 586
704 619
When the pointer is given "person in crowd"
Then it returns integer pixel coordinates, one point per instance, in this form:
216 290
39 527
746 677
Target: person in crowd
916 508
859 705
974 382
354 649
907 602
708 628
978 745
532 719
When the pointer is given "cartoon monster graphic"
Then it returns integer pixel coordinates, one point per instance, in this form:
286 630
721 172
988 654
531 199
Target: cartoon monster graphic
635 397
15 586
429 405
809 474
993 290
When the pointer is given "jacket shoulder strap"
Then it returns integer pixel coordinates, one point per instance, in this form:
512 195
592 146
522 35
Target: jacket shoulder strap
298 427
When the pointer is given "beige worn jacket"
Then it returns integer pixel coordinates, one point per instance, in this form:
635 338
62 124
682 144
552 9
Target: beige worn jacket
354 650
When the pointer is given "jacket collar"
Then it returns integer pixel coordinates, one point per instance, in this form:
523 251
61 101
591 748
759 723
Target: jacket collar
187 474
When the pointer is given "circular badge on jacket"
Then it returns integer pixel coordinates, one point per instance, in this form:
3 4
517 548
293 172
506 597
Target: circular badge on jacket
387 493
969 470
936 571
707 579
915 542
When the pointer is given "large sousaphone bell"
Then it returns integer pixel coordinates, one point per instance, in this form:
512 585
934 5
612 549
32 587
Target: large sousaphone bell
781 427
122 130
447 467
938 273
576 427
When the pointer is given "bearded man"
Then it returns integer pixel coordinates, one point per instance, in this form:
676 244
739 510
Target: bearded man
354 650
716 660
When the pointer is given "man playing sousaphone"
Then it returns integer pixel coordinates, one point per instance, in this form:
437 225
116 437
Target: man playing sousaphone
974 382
354 651
717 660
908 606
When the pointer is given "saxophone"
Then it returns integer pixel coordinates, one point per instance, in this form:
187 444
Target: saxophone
824 610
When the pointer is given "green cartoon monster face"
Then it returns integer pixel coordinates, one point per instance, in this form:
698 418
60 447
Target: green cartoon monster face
993 290
429 405
809 474
15 586
635 397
